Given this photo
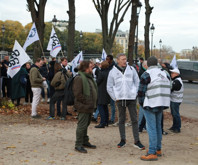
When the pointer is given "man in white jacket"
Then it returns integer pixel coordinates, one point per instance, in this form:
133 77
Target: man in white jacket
122 86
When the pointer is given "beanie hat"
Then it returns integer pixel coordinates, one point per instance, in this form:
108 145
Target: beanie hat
152 61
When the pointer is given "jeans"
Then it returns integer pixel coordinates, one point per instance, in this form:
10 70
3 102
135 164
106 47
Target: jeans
36 99
153 126
96 114
104 114
112 104
131 104
176 116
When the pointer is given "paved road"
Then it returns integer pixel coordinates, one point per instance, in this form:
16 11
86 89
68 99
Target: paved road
189 106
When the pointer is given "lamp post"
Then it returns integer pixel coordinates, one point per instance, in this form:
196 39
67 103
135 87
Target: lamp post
160 42
139 5
54 21
152 31
3 31
81 35
154 50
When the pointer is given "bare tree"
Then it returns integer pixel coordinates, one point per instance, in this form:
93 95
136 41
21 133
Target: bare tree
37 11
120 9
146 28
71 30
133 25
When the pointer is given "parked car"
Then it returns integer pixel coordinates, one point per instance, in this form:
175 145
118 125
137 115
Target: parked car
188 70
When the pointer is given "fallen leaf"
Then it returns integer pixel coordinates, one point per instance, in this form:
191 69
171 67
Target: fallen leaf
44 144
12 153
35 151
130 162
10 147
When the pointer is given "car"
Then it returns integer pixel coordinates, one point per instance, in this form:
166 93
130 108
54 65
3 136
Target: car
188 70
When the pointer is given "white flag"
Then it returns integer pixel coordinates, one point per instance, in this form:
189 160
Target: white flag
174 62
17 59
54 45
76 61
104 55
32 37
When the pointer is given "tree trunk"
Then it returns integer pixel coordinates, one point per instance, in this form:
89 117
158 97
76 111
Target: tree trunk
38 13
133 25
71 30
147 28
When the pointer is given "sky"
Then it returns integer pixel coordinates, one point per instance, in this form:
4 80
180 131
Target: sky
175 21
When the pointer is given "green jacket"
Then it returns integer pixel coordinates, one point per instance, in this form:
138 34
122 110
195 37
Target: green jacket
36 79
59 80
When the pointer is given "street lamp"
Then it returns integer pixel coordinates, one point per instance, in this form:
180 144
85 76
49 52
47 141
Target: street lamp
160 42
54 21
152 31
139 5
3 31
154 50
81 35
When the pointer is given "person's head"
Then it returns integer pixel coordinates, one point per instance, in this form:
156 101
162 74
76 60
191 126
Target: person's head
152 61
44 60
141 59
104 65
109 59
64 61
86 66
39 62
57 67
122 60
6 58
144 65
174 73
53 59
28 65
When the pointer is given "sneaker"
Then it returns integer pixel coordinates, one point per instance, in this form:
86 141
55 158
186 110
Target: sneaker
36 116
111 122
122 143
42 100
149 157
62 118
48 100
50 118
164 133
139 145
128 124
115 124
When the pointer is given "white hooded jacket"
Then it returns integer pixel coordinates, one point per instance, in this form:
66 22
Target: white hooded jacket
123 86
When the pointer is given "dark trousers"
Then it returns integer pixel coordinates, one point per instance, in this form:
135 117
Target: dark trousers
104 114
6 84
84 120
58 95
176 115
28 94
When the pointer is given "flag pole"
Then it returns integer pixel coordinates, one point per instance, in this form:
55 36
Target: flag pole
62 53
41 48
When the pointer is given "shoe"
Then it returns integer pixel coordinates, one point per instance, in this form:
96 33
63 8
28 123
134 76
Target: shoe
139 145
164 133
36 116
62 118
48 100
50 118
25 103
69 114
94 120
42 100
111 122
115 124
59 114
175 131
158 152
128 124
81 149
171 128
89 145
100 126
149 157
122 143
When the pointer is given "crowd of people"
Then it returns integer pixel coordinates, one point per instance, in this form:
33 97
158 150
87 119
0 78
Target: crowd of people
99 87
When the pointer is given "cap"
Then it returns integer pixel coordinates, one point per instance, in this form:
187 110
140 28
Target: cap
176 70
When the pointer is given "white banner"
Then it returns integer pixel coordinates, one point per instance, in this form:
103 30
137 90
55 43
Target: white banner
76 61
54 45
32 37
17 59
104 55
174 62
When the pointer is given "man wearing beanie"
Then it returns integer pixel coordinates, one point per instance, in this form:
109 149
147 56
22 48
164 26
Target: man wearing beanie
154 97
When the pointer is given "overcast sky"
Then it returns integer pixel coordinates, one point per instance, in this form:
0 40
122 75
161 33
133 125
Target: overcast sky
175 21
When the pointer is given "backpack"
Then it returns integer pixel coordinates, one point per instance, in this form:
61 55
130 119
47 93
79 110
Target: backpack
23 80
69 96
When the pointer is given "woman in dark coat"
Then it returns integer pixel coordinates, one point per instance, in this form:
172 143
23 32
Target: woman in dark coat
103 96
18 85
